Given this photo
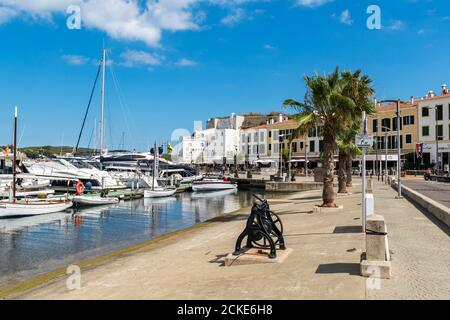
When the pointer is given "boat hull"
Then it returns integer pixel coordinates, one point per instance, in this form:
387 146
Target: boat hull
213 186
159 193
16 210
93 201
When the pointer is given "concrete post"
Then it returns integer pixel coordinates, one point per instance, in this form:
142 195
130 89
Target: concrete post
377 261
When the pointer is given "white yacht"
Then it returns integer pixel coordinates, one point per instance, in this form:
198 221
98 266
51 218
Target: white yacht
61 170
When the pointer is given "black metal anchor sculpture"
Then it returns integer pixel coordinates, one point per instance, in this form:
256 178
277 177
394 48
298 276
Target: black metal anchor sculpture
264 230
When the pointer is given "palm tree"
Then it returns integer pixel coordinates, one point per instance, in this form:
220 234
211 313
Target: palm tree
359 89
325 104
347 150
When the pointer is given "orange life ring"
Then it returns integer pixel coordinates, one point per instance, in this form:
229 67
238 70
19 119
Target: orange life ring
80 188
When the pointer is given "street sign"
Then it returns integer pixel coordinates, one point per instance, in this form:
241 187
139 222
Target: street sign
364 140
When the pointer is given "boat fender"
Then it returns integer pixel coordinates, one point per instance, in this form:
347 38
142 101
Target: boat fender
80 188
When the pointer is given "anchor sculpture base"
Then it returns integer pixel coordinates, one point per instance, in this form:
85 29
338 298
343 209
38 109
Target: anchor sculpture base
255 256
264 230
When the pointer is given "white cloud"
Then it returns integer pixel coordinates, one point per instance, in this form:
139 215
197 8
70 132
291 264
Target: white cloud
186 63
75 59
120 19
234 17
346 17
396 25
132 58
7 14
311 3
268 47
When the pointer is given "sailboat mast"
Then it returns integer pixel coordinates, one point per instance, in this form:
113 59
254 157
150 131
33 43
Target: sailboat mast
15 156
102 119
155 154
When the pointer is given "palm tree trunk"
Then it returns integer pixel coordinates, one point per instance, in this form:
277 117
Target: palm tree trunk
342 172
349 171
328 195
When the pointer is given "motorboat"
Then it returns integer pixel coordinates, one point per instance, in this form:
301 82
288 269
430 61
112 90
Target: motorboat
60 170
213 194
213 184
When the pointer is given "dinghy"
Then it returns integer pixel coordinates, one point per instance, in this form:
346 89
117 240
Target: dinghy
93 200
18 209
159 192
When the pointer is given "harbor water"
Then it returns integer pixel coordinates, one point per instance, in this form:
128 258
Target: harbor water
35 245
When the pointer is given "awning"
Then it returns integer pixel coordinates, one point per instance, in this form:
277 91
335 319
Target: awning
265 161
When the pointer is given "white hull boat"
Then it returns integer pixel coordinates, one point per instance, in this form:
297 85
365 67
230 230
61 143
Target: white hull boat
159 192
93 201
15 210
213 185
213 194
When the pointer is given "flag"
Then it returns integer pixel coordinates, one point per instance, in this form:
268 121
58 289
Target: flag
169 148
419 150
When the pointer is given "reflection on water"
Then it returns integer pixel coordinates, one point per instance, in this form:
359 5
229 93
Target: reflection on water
34 245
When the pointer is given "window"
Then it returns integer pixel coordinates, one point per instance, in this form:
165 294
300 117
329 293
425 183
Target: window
408 138
312 146
425 131
386 124
449 110
439 114
321 146
255 149
301 145
408 120
312 132
320 131
394 124
440 132
374 125
425 111
262 149
270 147
261 136
294 147
270 133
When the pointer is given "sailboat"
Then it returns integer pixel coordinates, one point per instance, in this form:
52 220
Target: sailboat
14 208
157 192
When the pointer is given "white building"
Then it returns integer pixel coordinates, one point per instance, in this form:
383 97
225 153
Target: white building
253 143
218 141
434 122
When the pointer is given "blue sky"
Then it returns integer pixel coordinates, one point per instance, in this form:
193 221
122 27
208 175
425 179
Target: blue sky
177 61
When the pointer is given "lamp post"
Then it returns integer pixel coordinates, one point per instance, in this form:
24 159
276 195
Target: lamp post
236 175
399 184
436 136
386 129
306 157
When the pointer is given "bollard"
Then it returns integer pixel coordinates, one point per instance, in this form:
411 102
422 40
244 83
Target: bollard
369 185
376 263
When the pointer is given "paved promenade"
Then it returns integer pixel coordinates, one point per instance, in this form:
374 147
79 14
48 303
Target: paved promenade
420 246
324 263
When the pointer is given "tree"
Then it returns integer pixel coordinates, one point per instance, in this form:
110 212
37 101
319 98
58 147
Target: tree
324 104
358 88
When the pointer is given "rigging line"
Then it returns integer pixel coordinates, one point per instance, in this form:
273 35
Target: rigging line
87 109
123 106
90 139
